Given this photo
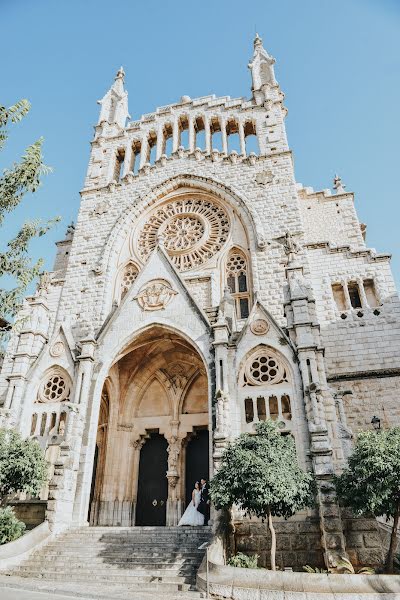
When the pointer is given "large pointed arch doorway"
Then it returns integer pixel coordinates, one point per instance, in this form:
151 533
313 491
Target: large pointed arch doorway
148 456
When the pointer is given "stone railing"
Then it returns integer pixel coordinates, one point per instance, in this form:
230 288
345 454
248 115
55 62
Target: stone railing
260 584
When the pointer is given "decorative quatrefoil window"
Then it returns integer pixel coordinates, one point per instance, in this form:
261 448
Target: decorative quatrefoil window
193 231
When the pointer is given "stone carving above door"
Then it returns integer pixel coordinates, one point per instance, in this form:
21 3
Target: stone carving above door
155 294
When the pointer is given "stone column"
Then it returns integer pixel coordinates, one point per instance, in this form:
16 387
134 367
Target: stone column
346 295
70 488
136 445
175 135
221 403
160 141
207 134
127 160
174 502
144 150
224 136
363 296
304 332
242 139
192 134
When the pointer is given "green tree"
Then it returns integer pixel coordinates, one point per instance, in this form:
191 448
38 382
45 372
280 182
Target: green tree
261 475
23 177
370 483
23 466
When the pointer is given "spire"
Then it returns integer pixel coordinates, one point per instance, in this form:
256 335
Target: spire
338 185
118 85
114 105
261 66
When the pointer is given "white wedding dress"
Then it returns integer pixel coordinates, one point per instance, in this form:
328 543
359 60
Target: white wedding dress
191 516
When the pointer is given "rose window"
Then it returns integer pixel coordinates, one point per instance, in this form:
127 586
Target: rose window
182 233
264 369
193 230
54 389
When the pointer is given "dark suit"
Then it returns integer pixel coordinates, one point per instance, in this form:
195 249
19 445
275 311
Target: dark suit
204 504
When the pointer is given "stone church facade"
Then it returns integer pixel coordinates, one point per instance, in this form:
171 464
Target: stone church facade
201 291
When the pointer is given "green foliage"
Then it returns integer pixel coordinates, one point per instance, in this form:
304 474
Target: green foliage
14 114
23 466
22 178
11 528
260 473
370 483
309 569
345 566
243 561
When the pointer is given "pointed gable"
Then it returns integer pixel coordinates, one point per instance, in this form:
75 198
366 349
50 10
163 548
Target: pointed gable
158 295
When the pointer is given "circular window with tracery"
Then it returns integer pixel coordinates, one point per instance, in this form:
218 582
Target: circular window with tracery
193 229
55 388
264 368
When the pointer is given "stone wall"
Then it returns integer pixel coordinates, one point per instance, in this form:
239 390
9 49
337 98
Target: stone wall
370 396
364 542
298 542
31 512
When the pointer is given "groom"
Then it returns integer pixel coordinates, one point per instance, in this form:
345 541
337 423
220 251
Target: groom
204 504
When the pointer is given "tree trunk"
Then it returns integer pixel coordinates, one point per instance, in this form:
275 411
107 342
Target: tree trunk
393 541
273 541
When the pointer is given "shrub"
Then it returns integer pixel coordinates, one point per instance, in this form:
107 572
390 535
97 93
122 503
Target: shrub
11 528
243 561
22 465
261 475
370 481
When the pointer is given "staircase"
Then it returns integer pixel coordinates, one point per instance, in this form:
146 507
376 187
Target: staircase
162 560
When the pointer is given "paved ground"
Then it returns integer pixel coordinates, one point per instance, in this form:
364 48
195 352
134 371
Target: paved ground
21 588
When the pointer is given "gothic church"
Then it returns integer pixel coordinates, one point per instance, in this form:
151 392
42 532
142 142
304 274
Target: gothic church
202 290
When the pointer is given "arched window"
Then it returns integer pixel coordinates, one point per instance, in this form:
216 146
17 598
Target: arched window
55 387
251 139
129 275
238 282
266 390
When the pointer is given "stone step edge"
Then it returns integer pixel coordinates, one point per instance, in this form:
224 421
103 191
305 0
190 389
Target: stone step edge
58 588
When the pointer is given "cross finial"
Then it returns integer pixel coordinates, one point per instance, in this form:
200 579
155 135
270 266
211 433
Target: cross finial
257 41
120 73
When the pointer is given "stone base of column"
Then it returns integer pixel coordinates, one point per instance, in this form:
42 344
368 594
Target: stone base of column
174 512
113 513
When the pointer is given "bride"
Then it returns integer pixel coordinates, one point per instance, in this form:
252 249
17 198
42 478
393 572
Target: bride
191 516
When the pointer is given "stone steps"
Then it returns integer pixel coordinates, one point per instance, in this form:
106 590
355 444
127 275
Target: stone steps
90 589
169 584
163 560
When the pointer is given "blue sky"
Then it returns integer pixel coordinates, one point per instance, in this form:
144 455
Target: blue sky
338 62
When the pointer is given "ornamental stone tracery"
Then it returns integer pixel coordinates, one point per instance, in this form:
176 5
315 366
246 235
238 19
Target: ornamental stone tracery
193 229
263 368
55 388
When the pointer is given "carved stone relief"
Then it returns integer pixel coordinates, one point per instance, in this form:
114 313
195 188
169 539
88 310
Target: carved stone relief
155 295
259 327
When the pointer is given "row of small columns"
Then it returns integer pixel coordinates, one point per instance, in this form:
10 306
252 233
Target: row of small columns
144 148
